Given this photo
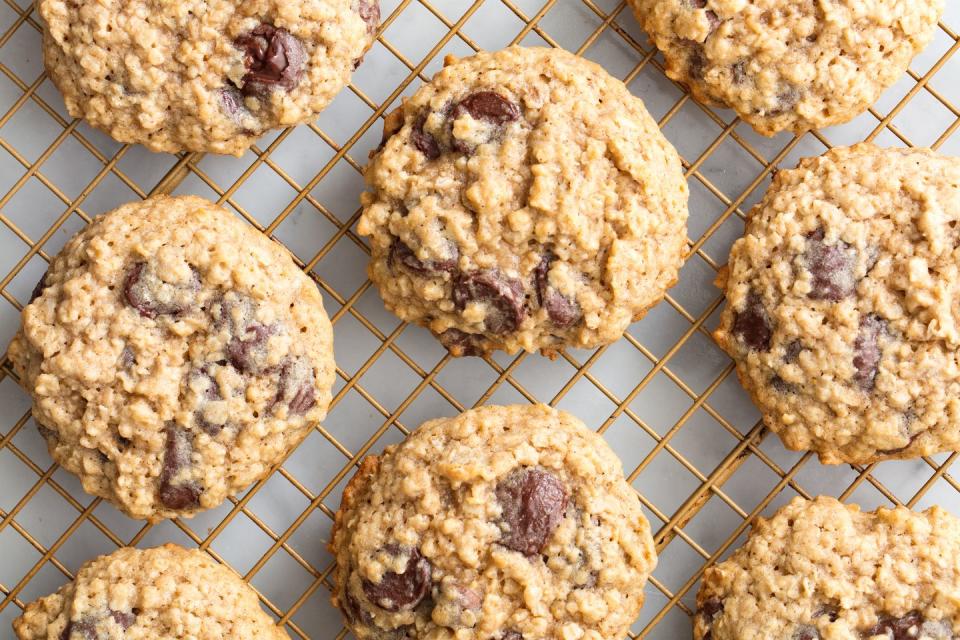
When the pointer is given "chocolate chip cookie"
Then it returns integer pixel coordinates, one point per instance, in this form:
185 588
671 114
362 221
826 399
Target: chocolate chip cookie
524 199
822 570
173 354
504 522
841 304
166 592
198 75
789 64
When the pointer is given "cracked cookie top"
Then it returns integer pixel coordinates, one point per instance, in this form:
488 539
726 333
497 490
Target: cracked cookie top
822 570
165 592
504 522
202 76
524 199
789 64
174 354
842 310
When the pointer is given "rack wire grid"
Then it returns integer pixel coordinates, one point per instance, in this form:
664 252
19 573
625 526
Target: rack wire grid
664 396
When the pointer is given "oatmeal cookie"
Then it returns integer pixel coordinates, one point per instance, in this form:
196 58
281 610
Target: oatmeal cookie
202 75
166 592
822 570
842 311
504 522
174 354
524 199
789 64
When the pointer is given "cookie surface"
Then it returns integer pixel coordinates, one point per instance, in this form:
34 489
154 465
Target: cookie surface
789 64
524 200
841 304
165 592
202 76
505 522
822 570
173 354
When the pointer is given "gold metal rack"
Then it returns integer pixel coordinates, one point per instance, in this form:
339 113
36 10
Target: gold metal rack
679 535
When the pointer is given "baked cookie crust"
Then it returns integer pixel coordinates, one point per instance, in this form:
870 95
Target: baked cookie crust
524 199
504 522
841 304
173 354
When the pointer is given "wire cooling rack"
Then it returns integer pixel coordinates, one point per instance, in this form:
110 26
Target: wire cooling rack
664 396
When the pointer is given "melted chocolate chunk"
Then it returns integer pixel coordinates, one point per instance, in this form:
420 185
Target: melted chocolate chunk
247 352
231 101
489 106
831 268
124 619
831 611
866 351
782 386
297 387
533 503
423 141
459 343
202 382
401 591
806 632
512 635
562 311
274 59
710 608
403 255
792 351
906 627
369 11
752 325
40 286
173 493
739 71
503 297
149 294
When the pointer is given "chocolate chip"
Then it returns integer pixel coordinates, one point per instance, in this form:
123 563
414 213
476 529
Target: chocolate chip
787 99
782 386
713 19
126 358
352 609
562 311
274 59
124 619
369 11
489 106
401 591
247 351
906 627
503 297
297 386
806 632
459 343
202 382
511 635
47 433
710 608
752 325
403 255
831 268
739 71
866 351
792 351
80 630
423 141
532 503
831 611
173 493
231 101
149 294
40 286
